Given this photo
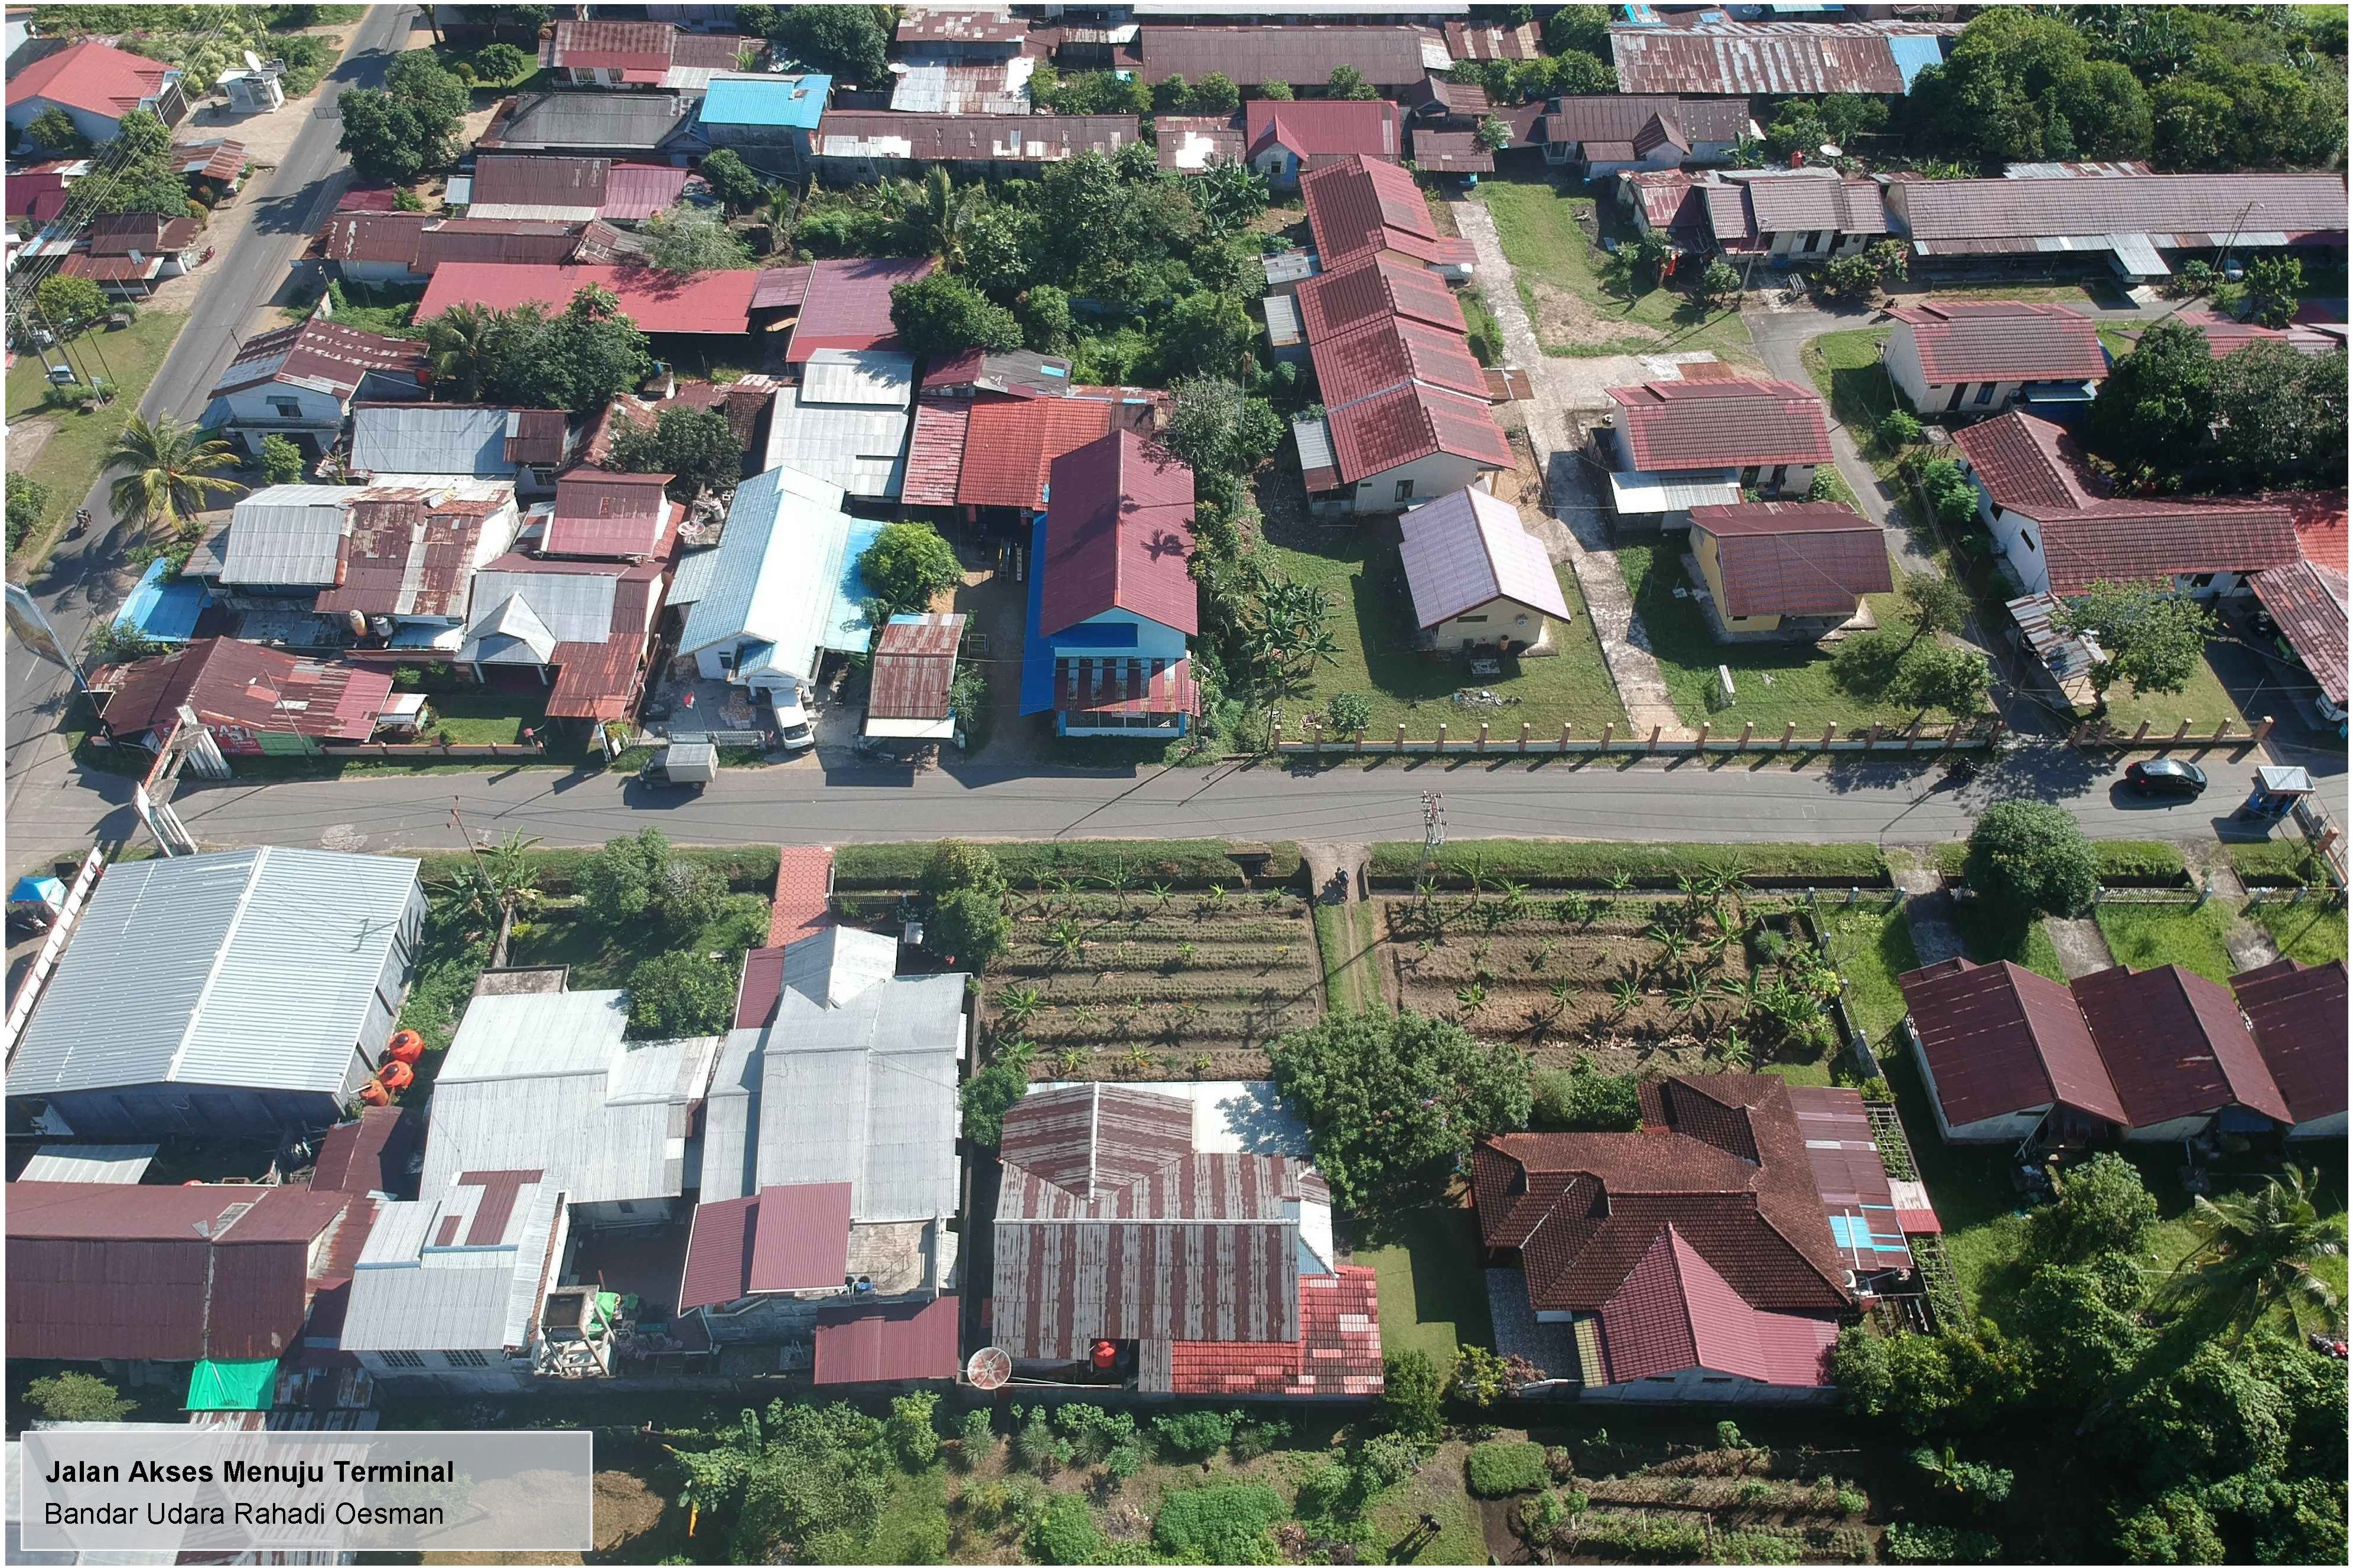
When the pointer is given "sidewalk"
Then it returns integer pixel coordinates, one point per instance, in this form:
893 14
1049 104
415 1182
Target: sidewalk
1575 532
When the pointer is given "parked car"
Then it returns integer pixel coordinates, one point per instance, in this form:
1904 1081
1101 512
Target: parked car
689 764
792 720
2166 775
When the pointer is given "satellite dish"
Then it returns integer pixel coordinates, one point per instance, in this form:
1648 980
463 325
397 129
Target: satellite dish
1830 150
991 1367
252 61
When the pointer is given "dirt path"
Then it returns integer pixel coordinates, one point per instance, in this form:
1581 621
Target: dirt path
1346 928
1928 910
2250 945
2082 946
1572 529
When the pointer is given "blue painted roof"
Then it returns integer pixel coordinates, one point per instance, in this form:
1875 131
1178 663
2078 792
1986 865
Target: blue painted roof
794 100
162 611
1915 54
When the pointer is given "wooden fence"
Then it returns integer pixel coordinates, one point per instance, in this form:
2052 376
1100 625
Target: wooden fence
1523 742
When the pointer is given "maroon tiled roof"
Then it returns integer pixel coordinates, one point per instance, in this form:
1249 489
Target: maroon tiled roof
2310 611
914 664
1630 117
1721 423
1787 202
1584 1208
1377 434
374 237
91 75
1388 350
1795 558
369 1155
936 452
1009 448
247 686
1675 1312
552 179
2299 1019
1371 289
403 556
2174 1045
320 350
1300 55
901 1342
1326 127
2034 468
102 1270
1452 153
1358 206
2002 340
1338 1352
612 515
520 241
119 233
1119 535
848 304
800 1237
1999 1039
1966 212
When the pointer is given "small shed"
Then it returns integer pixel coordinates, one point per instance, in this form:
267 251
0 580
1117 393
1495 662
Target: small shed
1478 579
914 669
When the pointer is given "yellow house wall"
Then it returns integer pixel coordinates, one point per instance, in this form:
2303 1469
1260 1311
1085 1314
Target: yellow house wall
1500 615
1711 571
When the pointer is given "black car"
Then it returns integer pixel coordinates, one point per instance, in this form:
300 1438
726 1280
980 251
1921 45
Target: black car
2164 775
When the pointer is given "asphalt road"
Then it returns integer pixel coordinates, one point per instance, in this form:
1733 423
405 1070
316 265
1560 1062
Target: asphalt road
1721 800
86 579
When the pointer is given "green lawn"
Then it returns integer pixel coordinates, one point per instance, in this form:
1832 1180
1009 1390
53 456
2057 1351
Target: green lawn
1846 370
2150 936
1988 937
2309 933
1373 623
1573 307
1774 683
2204 702
487 718
1871 947
1968 1186
1434 1295
69 461
1347 936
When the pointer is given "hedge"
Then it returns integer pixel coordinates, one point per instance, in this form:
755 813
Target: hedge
1938 1543
1499 1470
749 868
2276 863
1179 862
2123 862
1562 863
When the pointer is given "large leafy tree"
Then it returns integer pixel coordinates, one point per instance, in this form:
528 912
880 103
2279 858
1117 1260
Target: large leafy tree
2155 639
164 472
943 315
2021 85
466 343
589 354
410 125
853 42
2279 417
732 180
2150 415
148 180
1393 1104
2027 858
909 565
2256 1253
696 446
2102 1207
684 240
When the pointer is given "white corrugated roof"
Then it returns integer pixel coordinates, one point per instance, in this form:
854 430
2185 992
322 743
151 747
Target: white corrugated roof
691 579
408 1294
252 967
287 536
1469 547
119 1164
431 439
775 569
858 447
874 376
730 1115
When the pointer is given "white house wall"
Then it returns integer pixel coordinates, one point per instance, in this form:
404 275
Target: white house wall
1433 476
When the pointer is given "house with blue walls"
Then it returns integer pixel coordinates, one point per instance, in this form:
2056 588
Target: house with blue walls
1113 605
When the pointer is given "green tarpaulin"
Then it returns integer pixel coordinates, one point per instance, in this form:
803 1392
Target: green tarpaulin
232 1385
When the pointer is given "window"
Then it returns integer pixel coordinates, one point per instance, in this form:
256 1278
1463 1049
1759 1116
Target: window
2027 537
402 1358
1471 619
463 1358
286 408
1985 394
2201 582
1405 489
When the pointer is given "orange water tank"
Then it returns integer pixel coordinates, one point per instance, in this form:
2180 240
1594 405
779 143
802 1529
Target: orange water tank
397 1075
407 1046
1105 1356
372 1093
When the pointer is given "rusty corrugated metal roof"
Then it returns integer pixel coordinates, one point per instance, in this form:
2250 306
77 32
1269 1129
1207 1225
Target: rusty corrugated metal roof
1751 58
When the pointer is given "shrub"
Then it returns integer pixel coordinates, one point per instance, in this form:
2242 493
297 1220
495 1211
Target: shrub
1567 864
1898 427
970 926
1193 1435
1584 1099
1408 1404
2102 1207
2138 860
1499 1470
1480 1377
978 1435
992 1091
501 63
1218 1523
1728 1435
2028 858
1065 1532
66 302
1938 1543
908 565
28 499
677 995
281 461
910 1428
1757 1546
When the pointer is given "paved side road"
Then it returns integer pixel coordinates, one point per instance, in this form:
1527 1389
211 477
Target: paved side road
86 581
1721 800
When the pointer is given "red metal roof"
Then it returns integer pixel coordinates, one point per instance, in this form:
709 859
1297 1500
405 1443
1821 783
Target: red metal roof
634 192
719 1254
935 454
800 1237
111 268
1381 432
2005 339
119 233
1945 215
1795 558
1452 153
712 303
369 1155
2310 611
849 304
1302 54
1119 534
1675 1312
781 288
1748 58
404 555
902 1341
90 76
1721 423
2225 337
1359 205
598 513
219 161
2299 1020
914 664
1386 351
551 179
613 45
1325 127
1011 447
2001 1039
1338 1352
1371 288
2034 468
2174 1045
2320 530
244 685
1720 1157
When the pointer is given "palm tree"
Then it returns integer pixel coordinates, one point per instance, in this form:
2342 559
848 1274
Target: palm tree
775 209
2255 1252
169 472
945 212
460 338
